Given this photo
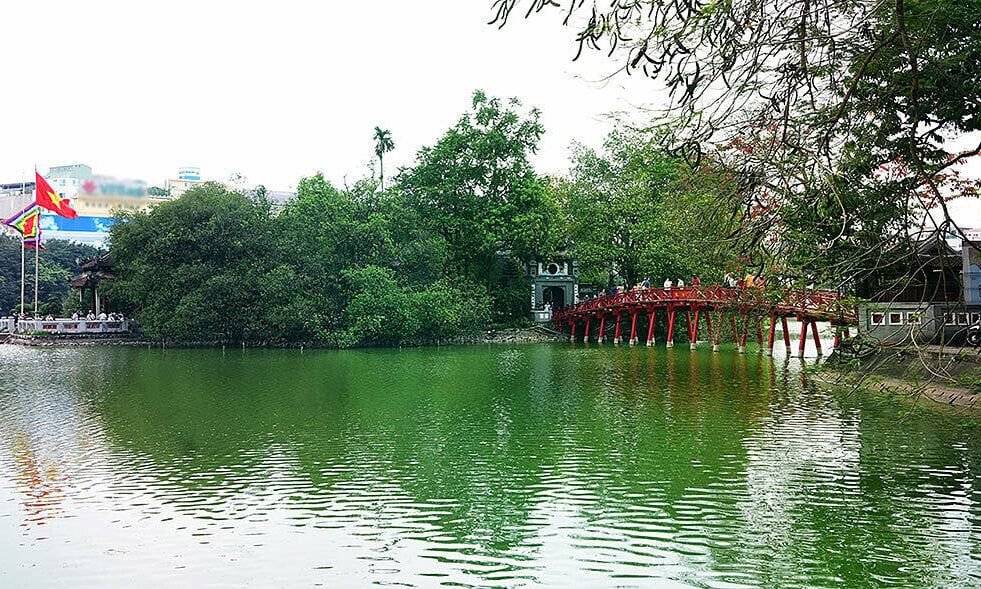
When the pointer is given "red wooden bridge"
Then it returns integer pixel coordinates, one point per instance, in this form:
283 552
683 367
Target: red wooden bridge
745 308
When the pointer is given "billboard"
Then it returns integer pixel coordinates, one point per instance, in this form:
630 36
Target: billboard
90 230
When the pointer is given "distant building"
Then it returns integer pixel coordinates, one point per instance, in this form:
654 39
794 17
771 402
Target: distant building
68 180
932 298
187 178
97 201
14 196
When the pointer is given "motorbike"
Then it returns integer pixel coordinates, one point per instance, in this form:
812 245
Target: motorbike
974 334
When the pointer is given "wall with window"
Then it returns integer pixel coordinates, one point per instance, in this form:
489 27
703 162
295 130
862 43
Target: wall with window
923 323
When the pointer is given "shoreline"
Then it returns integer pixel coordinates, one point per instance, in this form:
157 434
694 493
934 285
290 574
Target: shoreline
510 335
942 376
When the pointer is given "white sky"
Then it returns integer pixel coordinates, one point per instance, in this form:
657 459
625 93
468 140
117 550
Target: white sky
274 90
280 90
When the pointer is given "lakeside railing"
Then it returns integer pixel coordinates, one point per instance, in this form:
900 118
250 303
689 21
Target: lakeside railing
66 326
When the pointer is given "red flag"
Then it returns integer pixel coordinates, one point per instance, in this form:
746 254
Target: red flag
49 199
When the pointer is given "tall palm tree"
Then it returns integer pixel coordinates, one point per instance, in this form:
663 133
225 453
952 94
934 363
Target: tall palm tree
383 145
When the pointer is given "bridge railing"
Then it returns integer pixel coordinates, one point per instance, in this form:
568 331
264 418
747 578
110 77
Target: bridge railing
800 302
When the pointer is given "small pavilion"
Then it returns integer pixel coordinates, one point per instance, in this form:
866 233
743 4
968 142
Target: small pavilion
93 271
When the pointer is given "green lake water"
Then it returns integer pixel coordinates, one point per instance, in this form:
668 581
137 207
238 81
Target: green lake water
535 465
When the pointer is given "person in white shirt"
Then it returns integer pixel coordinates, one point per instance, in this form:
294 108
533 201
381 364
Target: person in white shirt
681 283
667 284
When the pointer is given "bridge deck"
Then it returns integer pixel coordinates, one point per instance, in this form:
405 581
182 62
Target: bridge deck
751 305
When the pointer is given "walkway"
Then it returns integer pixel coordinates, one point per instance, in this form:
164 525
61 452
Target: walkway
745 309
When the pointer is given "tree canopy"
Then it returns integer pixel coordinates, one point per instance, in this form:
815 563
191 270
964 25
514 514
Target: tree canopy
834 119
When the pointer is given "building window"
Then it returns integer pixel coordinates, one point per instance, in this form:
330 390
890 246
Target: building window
895 318
913 317
949 319
975 318
962 319
877 318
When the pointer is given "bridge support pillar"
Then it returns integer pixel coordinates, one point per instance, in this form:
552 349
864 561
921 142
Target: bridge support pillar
713 334
572 335
834 346
670 343
602 330
650 329
817 338
803 337
786 333
769 341
586 334
742 336
616 334
694 330
633 329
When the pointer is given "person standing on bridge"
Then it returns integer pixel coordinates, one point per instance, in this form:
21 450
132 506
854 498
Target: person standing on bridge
667 284
681 283
646 283
695 281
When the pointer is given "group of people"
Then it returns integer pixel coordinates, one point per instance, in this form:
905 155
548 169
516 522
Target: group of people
645 284
729 281
100 317
751 281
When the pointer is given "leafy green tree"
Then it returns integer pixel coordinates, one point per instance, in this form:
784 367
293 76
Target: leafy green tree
477 189
191 269
631 212
383 145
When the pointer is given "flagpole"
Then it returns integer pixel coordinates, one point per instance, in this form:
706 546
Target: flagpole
21 275
37 248
37 244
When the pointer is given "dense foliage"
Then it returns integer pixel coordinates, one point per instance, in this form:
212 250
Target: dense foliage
437 255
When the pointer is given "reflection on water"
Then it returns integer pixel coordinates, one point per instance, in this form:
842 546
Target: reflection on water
533 465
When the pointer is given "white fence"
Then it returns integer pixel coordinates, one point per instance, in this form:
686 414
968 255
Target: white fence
65 326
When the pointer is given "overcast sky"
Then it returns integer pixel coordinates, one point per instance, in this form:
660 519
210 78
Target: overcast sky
273 90
279 90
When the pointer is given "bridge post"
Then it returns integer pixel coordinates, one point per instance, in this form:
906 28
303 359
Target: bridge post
786 333
742 336
599 340
803 336
769 341
834 346
650 328
616 334
670 343
759 334
694 332
713 332
688 316
586 335
633 329
817 338
572 335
